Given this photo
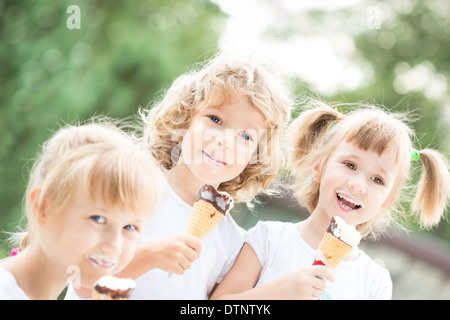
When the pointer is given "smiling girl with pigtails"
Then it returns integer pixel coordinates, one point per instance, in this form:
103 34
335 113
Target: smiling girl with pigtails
354 167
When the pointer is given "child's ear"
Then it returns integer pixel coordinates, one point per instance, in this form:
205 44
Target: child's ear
37 209
316 173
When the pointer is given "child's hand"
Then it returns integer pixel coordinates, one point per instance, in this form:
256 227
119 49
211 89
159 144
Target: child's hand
307 283
174 254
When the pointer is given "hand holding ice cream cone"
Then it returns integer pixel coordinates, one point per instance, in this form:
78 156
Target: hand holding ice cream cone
339 240
209 208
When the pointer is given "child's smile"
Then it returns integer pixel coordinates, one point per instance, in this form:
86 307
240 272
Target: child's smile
101 261
348 203
209 157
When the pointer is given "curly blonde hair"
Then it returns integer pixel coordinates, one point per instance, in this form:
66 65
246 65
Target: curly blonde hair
220 79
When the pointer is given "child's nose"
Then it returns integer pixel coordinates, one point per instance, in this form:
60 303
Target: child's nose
111 242
224 139
356 185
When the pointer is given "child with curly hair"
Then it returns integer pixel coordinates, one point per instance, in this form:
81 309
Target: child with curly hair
222 126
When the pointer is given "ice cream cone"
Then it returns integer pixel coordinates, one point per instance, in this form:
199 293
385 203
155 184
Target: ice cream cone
209 208
103 296
112 288
203 219
333 250
339 240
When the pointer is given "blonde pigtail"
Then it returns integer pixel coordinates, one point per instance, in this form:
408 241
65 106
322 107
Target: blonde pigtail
308 129
433 188
305 134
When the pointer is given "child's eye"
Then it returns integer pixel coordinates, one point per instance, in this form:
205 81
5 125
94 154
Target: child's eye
215 119
130 227
246 136
98 219
350 165
377 180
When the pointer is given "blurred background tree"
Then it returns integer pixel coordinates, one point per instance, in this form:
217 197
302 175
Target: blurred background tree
126 53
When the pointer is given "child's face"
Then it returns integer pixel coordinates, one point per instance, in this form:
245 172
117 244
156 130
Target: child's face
94 239
357 184
221 140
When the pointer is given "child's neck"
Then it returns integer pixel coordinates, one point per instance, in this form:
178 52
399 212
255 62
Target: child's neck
35 275
185 187
312 229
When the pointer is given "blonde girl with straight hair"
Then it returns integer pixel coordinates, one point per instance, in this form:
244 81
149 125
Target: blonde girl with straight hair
89 194
354 166
219 124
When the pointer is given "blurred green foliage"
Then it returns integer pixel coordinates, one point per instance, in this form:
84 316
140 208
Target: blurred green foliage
123 56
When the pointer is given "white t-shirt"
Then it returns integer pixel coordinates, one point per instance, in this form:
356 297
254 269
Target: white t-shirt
218 254
9 289
280 250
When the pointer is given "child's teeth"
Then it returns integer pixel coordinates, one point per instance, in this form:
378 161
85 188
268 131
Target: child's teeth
356 204
348 208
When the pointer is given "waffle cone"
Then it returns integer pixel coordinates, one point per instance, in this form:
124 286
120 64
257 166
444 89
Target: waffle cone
333 249
103 296
203 219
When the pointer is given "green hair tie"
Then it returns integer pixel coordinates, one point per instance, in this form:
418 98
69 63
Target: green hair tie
415 155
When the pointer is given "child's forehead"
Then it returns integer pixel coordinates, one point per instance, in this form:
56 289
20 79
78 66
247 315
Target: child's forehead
114 204
352 147
387 160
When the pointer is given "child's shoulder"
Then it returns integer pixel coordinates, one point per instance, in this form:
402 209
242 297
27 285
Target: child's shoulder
271 226
9 289
373 267
377 277
270 229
